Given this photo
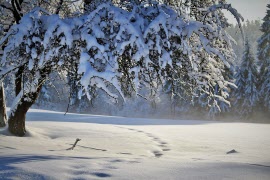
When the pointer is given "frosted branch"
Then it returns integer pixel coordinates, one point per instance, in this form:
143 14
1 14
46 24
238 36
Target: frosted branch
232 10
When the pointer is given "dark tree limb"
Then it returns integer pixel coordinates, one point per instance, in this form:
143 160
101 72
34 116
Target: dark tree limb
19 80
16 11
3 112
59 6
18 5
6 6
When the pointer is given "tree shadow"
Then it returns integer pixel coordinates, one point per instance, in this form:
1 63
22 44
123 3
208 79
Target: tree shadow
7 147
8 169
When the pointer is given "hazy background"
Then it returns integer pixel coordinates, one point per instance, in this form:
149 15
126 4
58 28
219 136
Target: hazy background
249 9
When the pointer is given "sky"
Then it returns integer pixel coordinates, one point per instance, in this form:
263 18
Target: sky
249 9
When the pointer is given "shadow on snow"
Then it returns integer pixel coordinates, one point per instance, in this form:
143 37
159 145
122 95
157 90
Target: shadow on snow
14 167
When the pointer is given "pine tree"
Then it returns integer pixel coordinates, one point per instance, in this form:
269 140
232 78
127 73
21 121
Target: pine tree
264 61
252 30
247 94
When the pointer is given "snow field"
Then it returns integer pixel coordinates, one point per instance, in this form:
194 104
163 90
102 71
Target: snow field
129 148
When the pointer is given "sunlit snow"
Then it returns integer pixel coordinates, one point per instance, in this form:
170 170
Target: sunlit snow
130 148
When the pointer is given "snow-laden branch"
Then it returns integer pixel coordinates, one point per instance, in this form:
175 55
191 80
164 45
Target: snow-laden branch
232 10
2 41
5 71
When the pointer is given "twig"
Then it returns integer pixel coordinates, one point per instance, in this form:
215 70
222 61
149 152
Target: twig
71 148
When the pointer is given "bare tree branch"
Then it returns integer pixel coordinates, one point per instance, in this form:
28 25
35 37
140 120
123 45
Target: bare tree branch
59 7
74 145
7 5
16 11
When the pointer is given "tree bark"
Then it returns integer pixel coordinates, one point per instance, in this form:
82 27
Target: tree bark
3 112
16 6
16 121
19 80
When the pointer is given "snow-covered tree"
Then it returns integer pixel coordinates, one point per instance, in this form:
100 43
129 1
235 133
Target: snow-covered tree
12 11
142 46
247 94
208 61
181 84
264 60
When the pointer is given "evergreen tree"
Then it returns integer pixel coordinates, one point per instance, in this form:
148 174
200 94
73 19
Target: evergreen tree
247 94
264 60
252 31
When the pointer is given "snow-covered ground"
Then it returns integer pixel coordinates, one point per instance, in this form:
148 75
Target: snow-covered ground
129 148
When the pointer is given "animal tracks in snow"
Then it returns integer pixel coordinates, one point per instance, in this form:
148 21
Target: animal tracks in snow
160 146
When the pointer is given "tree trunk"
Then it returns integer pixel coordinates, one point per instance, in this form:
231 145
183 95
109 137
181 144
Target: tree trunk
3 112
19 80
16 121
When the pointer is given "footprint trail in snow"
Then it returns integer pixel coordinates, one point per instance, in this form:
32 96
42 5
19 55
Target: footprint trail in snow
160 145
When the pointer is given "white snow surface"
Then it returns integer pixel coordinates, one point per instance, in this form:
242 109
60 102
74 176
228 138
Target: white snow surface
130 148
